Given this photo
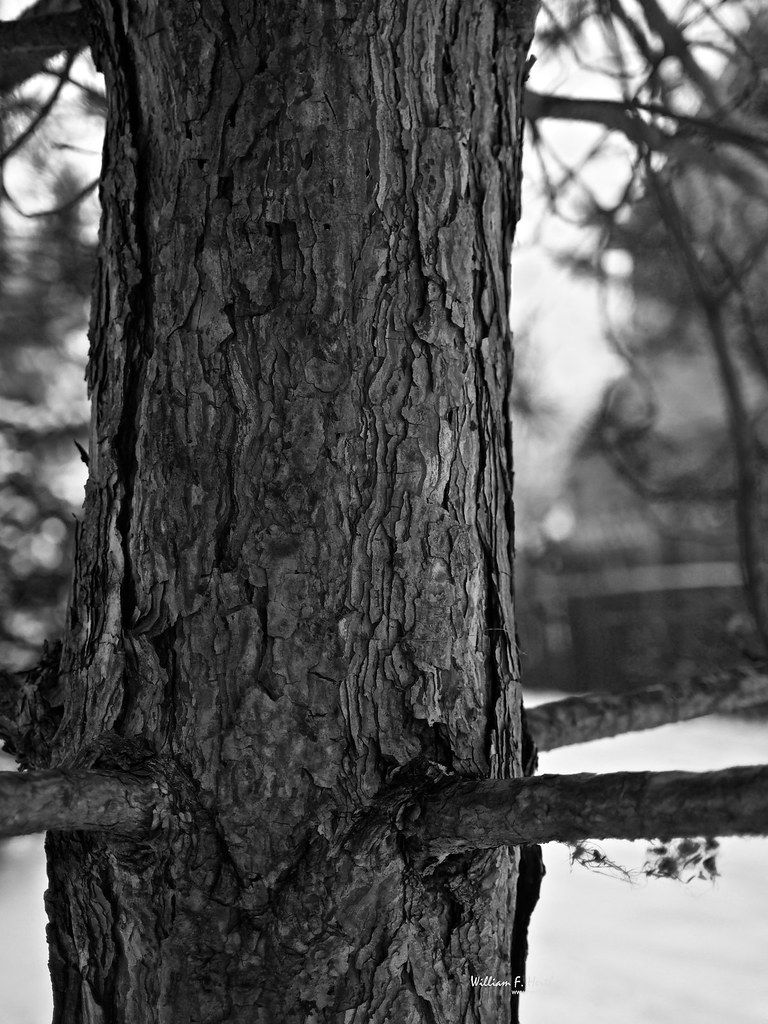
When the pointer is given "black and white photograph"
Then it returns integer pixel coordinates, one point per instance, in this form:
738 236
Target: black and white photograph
383 511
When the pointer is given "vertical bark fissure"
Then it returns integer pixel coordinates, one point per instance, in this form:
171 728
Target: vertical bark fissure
138 341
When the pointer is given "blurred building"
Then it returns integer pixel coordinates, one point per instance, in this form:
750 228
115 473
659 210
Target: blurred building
620 592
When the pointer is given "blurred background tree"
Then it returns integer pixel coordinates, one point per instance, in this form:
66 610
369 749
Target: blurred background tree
44 295
648 557
47 254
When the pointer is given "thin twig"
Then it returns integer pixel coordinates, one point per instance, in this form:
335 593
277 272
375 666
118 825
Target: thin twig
68 205
36 121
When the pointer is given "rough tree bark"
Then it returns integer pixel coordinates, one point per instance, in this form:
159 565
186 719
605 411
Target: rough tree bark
293 577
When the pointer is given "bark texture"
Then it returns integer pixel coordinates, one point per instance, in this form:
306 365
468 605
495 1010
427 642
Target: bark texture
31 709
293 578
595 716
462 816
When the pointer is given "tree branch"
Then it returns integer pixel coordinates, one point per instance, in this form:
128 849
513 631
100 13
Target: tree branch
53 33
78 800
79 196
613 114
595 716
624 116
479 815
37 120
32 39
676 45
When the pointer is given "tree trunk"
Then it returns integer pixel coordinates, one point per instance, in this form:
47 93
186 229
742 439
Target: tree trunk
293 577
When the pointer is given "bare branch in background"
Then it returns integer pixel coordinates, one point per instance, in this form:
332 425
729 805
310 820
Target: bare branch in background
95 98
52 33
35 37
677 45
612 114
624 116
38 119
598 715
79 196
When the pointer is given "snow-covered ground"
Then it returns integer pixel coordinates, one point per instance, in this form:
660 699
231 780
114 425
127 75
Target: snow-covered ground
601 949
25 988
